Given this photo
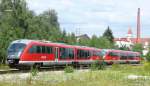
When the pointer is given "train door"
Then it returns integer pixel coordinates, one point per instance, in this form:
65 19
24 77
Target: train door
56 53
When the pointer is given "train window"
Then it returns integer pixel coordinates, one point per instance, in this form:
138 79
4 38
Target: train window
131 55
43 49
71 53
113 54
97 53
49 50
66 53
38 50
123 56
32 49
63 53
138 55
83 54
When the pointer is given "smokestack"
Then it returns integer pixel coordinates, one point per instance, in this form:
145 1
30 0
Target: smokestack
138 27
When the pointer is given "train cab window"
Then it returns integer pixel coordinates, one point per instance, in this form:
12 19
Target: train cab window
39 50
83 54
102 53
66 53
32 49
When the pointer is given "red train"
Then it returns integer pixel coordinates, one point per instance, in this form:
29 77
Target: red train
27 53
45 53
120 56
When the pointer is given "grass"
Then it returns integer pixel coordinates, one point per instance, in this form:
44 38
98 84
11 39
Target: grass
4 66
115 76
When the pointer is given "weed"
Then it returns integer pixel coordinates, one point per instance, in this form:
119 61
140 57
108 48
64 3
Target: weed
34 71
69 69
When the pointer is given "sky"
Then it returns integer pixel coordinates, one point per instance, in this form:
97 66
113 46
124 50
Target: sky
94 16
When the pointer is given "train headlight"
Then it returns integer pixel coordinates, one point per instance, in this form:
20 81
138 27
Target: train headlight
11 61
103 57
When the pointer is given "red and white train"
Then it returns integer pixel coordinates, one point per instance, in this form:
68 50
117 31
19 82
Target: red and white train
26 53
45 53
119 56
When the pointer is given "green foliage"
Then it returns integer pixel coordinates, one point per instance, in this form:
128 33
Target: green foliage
99 42
109 35
148 56
18 22
69 69
105 43
137 48
71 39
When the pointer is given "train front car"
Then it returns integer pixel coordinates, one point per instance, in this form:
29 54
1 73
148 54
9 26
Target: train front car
14 52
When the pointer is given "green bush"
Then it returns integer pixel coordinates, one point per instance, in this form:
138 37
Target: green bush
148 56
69 69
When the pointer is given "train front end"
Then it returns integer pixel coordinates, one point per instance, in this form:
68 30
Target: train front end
14 52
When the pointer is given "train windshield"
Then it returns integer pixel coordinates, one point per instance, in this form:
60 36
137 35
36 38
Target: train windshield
16 48
103 53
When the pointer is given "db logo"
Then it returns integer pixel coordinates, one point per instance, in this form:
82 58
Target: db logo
43 57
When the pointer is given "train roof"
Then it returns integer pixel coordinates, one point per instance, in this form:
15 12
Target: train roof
27 41
123 51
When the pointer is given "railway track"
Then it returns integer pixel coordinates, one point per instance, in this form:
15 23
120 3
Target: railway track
42 69
6 71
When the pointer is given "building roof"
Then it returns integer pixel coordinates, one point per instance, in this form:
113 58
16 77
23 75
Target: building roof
84 36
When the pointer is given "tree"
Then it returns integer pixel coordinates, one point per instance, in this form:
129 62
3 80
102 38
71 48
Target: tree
109 35
148 56
13 23
71 39
18 22
49 26
137 48
94 41
104 43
